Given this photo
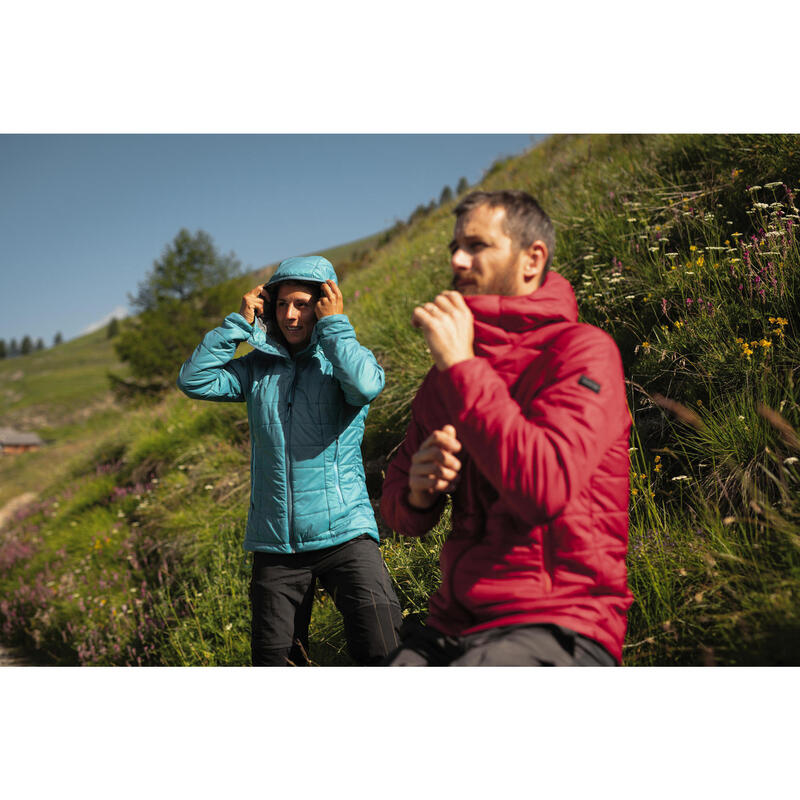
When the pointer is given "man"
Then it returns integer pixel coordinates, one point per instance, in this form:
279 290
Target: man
523 419
307 384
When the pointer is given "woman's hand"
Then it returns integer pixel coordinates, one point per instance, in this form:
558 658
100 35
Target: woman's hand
330 300
253 303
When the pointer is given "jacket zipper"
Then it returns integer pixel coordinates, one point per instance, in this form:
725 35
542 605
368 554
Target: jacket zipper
289 498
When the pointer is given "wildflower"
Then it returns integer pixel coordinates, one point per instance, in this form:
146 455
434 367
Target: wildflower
692 248
761 205
678 324
791 460
728 520
736 235
773 184
228 626
630 296
681 478
208 487
633 450
753 188
700 261
646 345
634 492
765 343
642 476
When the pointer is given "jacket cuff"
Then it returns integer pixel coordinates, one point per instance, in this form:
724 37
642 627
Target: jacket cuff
333 325
418 521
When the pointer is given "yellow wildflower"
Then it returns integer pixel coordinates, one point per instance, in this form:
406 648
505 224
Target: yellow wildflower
765 344
679 324
634 492
646 345
692 248
700 261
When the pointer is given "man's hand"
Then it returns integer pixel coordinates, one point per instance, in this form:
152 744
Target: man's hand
253 303
448 327
434 468
330 300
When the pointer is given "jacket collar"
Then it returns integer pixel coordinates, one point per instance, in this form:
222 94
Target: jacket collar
262 340
500 319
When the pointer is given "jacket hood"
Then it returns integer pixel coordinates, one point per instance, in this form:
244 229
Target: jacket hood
304 268
299 268
501 319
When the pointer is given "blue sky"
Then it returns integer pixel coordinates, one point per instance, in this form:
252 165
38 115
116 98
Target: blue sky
83 217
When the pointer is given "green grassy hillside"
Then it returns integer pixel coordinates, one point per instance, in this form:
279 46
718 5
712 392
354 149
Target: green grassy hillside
684 248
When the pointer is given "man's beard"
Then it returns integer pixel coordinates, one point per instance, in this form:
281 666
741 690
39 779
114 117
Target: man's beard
503 283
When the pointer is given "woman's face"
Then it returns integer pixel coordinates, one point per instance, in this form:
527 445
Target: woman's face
294 311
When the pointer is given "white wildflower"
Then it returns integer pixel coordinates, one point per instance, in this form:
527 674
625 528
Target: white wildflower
629 296
753 188
760 205
208 487
631 219
791 460
773 184
589 257
653 249
681 478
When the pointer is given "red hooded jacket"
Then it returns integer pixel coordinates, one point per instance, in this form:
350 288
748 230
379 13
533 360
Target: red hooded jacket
540 511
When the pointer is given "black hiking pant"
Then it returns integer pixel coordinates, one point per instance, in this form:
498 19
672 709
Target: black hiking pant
356 578
508 646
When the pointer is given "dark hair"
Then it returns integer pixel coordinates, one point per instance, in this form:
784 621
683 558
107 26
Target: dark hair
525 221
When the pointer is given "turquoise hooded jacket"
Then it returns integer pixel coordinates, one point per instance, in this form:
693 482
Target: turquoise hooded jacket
306 415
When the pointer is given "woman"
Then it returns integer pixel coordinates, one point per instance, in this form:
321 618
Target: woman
307 384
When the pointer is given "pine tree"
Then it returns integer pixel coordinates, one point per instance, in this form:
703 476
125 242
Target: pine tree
446 196
13 349
463 185
27 345
3 352
57 339
189 291
40 344
113 328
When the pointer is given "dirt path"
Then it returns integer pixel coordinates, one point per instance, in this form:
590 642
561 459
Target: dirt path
11 656
14 505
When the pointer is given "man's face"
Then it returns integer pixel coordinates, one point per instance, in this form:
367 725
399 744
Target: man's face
483 257
294 311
